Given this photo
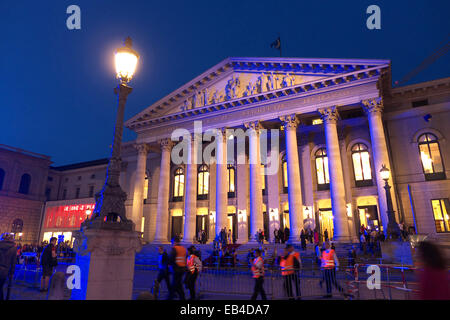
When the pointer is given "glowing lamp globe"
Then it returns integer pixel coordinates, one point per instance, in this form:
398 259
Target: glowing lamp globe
385 173
126 61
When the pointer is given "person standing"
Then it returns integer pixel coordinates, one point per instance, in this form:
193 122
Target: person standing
8 254
330 264
303 239
49 261
177 262
434 281
163 270
258 275
295 263
194 267
316 237
286 271
325 235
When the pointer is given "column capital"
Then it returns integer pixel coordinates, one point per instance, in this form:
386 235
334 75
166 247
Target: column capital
254 125
373 105
290 122
329 115
142 148
166 144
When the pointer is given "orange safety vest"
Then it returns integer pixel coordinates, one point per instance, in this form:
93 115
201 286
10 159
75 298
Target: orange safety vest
256 271
191 264
180 258
284 272
288 266
328 259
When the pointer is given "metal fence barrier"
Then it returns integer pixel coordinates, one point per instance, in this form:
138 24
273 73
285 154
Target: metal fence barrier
396 282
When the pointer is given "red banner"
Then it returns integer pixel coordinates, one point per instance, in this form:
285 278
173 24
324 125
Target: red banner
69 217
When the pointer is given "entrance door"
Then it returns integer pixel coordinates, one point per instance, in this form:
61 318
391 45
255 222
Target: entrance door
368 216
266 226
232 225
284 220
326 222
202 225
177 224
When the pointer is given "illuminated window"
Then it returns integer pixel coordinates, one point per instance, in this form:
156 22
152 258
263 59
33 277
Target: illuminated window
317 121
440 212
361 165
145 187
263 179
231 181
178 185
203 182
285 174
430 156
17 226
323 177
2 177
25 182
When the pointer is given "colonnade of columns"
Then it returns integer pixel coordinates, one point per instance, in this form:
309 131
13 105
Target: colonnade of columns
373 108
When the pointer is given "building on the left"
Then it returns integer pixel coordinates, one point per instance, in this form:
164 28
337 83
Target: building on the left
23 177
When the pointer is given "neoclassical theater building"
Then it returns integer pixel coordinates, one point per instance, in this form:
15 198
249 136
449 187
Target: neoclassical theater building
333 122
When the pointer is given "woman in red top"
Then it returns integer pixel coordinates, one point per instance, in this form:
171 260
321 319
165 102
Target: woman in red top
433 273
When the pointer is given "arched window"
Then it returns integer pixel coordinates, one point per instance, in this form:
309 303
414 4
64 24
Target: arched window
17 226
25 184
430 156
231 181
145 187
2 178
285 174
203 182
323 177
361 165
178 185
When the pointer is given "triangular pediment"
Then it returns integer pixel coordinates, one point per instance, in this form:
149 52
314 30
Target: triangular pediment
235 78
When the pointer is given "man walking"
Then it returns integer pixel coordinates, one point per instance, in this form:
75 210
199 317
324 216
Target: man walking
48 262
163 267
258 275
177 262
329 265
7 260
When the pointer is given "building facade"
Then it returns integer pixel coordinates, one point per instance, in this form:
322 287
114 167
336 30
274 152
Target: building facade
23 176
295 143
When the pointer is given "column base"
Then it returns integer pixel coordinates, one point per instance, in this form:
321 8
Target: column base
160 241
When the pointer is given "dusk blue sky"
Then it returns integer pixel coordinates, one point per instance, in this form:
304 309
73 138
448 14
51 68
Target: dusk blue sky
57 84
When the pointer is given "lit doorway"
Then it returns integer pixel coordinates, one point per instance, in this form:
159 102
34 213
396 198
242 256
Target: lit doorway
232 224
177 223
368 217
326 222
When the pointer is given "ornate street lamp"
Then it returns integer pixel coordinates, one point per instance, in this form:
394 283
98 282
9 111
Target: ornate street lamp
393 231
109 212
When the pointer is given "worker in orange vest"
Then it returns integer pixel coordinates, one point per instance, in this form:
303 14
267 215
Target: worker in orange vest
329 265
286 272
194 266
294 264
258 275
178 267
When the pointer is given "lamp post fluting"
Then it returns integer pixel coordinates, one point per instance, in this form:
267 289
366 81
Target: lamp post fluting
393 231
109 211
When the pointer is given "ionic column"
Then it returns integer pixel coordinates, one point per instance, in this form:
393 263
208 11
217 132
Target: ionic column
139 181
290 124
190 199
337 187
162 209
374 108
256 216
221 181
